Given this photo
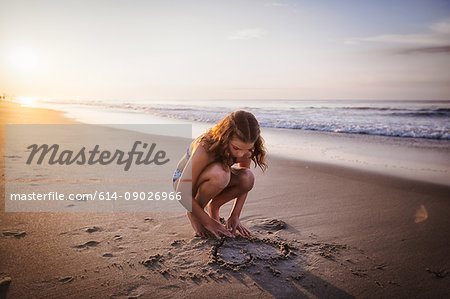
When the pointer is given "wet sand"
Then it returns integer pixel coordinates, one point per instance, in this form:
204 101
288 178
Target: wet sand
318 231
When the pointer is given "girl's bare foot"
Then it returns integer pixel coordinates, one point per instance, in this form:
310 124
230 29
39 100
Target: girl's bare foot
213 211
199 229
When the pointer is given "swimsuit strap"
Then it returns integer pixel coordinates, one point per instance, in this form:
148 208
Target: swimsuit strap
187 152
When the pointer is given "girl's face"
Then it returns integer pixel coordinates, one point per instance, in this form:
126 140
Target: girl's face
239 149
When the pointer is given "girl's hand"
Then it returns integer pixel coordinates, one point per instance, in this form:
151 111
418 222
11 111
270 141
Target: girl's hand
245 163
234 223
216 229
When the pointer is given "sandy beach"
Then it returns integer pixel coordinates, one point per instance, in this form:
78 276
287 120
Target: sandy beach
319 231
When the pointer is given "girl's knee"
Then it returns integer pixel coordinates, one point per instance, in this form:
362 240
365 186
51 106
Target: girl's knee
219 177
246 180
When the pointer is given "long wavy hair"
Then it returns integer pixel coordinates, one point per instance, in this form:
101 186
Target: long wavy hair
240 124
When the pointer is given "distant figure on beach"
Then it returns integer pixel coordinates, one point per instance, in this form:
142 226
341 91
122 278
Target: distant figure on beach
217 165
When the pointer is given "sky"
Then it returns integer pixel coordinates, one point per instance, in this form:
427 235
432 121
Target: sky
227 49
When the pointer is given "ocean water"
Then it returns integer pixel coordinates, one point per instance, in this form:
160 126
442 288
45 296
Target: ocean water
409 139
413 119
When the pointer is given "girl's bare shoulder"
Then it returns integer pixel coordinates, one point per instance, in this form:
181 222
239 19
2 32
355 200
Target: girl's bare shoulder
199 149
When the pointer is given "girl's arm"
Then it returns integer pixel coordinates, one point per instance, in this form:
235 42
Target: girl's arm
245 161
237 207
233 222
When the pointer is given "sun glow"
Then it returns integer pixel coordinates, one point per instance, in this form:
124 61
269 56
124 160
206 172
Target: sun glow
26 101
23 59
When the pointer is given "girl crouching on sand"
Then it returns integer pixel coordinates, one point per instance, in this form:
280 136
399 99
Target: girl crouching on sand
206 171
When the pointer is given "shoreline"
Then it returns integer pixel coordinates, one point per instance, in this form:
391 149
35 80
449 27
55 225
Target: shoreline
345 233
418 159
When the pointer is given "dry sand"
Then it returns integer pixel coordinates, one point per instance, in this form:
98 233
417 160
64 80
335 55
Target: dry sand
318 231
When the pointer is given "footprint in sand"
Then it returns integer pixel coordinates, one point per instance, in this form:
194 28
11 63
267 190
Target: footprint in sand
5 281
16 234
93 229
268 226
178 243
273 225
440 273
88 244
153 260
66 279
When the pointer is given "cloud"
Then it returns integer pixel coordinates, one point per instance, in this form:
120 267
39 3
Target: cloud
441 27
426 50
249 33
437 40
413 39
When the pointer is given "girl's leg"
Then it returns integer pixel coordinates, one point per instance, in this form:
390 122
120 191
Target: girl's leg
240 184
210 183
